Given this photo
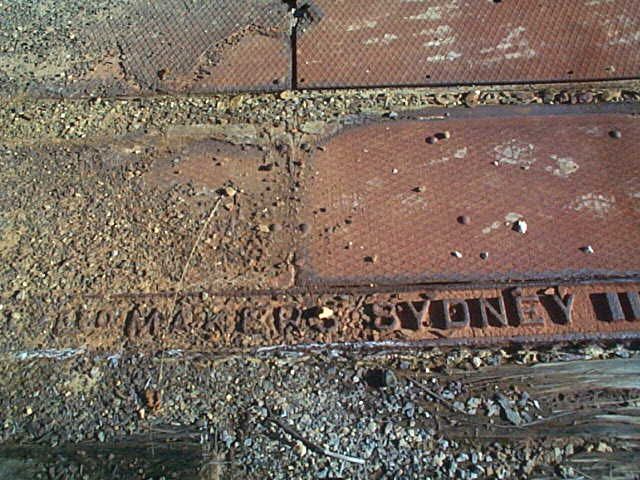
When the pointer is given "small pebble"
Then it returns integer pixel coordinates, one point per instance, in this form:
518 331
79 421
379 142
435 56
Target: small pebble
300 448
395 171
389 379
587 249
484 255
420 189
520 226
432 140
456 254
615 134
325 313
464 219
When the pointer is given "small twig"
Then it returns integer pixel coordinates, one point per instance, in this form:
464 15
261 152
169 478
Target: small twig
536 422
312 446
437 396
185 269
292 154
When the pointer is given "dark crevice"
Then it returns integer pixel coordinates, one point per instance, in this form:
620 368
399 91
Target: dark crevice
292 4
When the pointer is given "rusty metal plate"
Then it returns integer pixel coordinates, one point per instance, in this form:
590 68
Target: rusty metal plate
489 194
400 42
423 316
135 47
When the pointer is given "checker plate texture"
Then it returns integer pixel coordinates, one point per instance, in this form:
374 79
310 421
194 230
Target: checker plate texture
210 46
139 47
385 205
435 42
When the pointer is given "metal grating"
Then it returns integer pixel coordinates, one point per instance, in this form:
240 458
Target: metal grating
139 47
400 42
388 207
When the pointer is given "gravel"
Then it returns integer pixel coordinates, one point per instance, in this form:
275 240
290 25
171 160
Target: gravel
283 414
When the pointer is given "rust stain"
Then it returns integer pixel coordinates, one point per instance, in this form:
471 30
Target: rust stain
399 42
484 197
176 47
142 47
399 318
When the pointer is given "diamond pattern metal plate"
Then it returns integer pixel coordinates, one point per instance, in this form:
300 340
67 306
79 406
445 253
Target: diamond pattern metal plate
432 42
483 195
137 47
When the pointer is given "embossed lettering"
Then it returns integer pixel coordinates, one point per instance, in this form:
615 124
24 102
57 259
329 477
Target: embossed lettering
634 302
500 314
566 306
386 316
420 317
526 309
449 305
616 314
288 320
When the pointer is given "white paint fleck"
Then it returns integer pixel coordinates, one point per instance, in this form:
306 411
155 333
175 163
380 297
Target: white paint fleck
412 200
513 46
596 203
385 40
440 36
622 30
451 56
564 166
594 131
375 182
492 227
435 12
515 152
461 152
364 24
438 161
432 13
512 217
509 219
